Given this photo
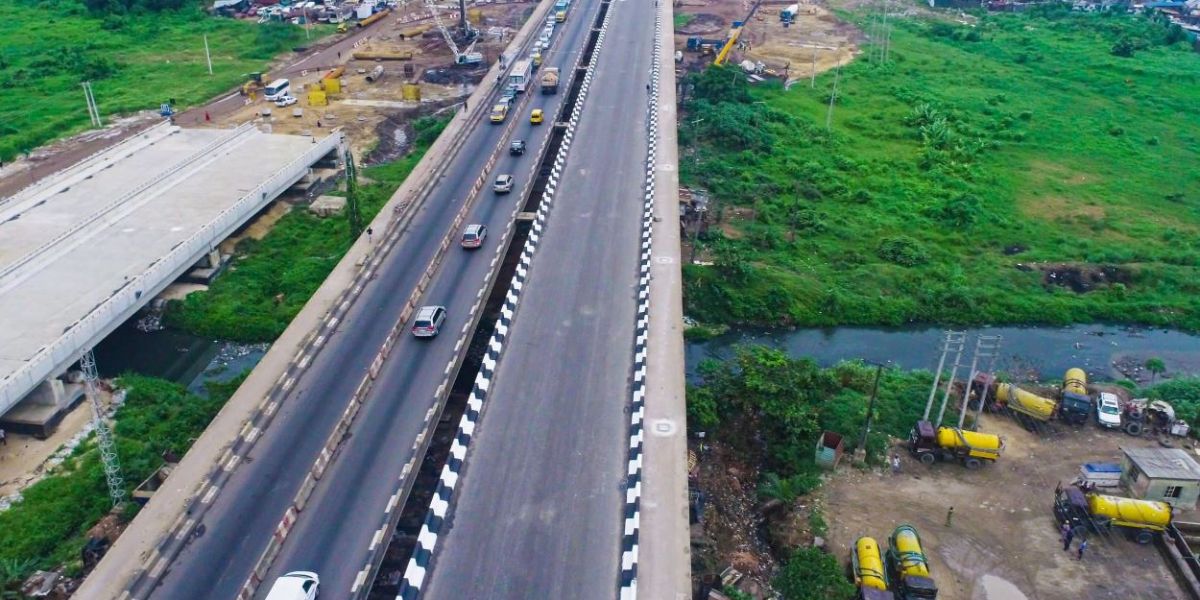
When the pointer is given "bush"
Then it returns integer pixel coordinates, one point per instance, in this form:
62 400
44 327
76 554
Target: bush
47 527
811 574
901 250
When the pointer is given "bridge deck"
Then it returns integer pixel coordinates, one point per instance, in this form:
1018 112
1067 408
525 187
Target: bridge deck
108 227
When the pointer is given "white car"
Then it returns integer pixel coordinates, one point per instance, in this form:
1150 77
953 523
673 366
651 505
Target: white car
297 585
1108 411
285 101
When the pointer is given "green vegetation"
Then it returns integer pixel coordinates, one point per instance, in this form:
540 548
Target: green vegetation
1013 172
272 278
135 61
682 19
1183 395
790 401
812 574
48 527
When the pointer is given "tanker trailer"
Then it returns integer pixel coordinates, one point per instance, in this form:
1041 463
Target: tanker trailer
1026 403
1076 405
908 570
951 443
866 565
1140 519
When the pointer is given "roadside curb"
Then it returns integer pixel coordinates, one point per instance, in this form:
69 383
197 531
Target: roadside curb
440 506
637 407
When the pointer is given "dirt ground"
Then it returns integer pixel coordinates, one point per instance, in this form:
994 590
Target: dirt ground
1002 529
790 52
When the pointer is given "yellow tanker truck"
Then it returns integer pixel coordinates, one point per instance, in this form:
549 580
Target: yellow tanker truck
866 565
952 443
1141 519
1075 406
907 568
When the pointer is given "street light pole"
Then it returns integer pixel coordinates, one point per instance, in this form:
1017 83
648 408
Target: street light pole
207 56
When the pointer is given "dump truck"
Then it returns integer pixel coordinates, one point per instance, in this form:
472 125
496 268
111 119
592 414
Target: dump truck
951 443
550 80
907 568
1140 519
866 569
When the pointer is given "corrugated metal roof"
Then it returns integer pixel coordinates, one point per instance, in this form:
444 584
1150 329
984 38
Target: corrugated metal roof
1164 463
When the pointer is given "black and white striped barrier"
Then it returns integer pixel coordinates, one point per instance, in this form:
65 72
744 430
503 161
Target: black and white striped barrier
637 408
417 571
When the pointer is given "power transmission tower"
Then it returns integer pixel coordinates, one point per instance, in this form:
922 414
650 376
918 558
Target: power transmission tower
352 211
104 436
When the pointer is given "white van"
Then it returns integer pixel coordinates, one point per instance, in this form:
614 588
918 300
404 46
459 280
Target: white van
277 89
297 585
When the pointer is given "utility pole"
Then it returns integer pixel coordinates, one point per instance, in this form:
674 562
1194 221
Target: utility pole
207 55
352 211
90 99
829 115
813 84
862 440
104 437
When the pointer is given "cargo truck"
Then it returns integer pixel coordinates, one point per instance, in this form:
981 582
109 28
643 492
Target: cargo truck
907 568
550 80
1140 519
950 443
866 568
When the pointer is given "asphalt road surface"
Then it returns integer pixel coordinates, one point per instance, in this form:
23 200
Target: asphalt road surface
346 508
538 514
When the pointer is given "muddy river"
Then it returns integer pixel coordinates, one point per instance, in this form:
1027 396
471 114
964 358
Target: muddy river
1107 352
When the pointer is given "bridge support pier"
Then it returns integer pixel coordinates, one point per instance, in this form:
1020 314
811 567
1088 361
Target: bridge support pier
40 411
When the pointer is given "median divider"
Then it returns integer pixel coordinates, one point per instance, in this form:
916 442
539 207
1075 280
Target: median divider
436 517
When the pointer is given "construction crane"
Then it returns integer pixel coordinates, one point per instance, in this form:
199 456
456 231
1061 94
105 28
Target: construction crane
734 34
465 57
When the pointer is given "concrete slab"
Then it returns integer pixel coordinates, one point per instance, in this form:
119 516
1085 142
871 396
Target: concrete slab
107 229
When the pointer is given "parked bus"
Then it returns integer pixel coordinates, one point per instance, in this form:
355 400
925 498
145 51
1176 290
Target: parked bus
519 77
277 89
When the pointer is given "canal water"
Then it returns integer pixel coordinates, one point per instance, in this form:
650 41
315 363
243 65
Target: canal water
180 357
1027 353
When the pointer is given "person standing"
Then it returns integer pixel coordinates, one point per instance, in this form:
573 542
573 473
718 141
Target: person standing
1070 535
1082 547
895 464
3 437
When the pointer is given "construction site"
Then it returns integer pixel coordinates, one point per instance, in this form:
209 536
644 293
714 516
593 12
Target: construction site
1001 491
415 60
769 39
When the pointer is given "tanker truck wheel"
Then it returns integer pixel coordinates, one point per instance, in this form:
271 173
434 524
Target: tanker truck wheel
927 458
1143 537
972 463
1134 428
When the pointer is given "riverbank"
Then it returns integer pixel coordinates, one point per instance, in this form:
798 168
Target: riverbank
1105 352
763 501
1007 170
49 526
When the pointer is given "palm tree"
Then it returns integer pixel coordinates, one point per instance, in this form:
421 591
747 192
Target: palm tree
1156 366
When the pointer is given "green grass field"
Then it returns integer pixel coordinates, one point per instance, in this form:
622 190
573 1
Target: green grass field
953 176
134 62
